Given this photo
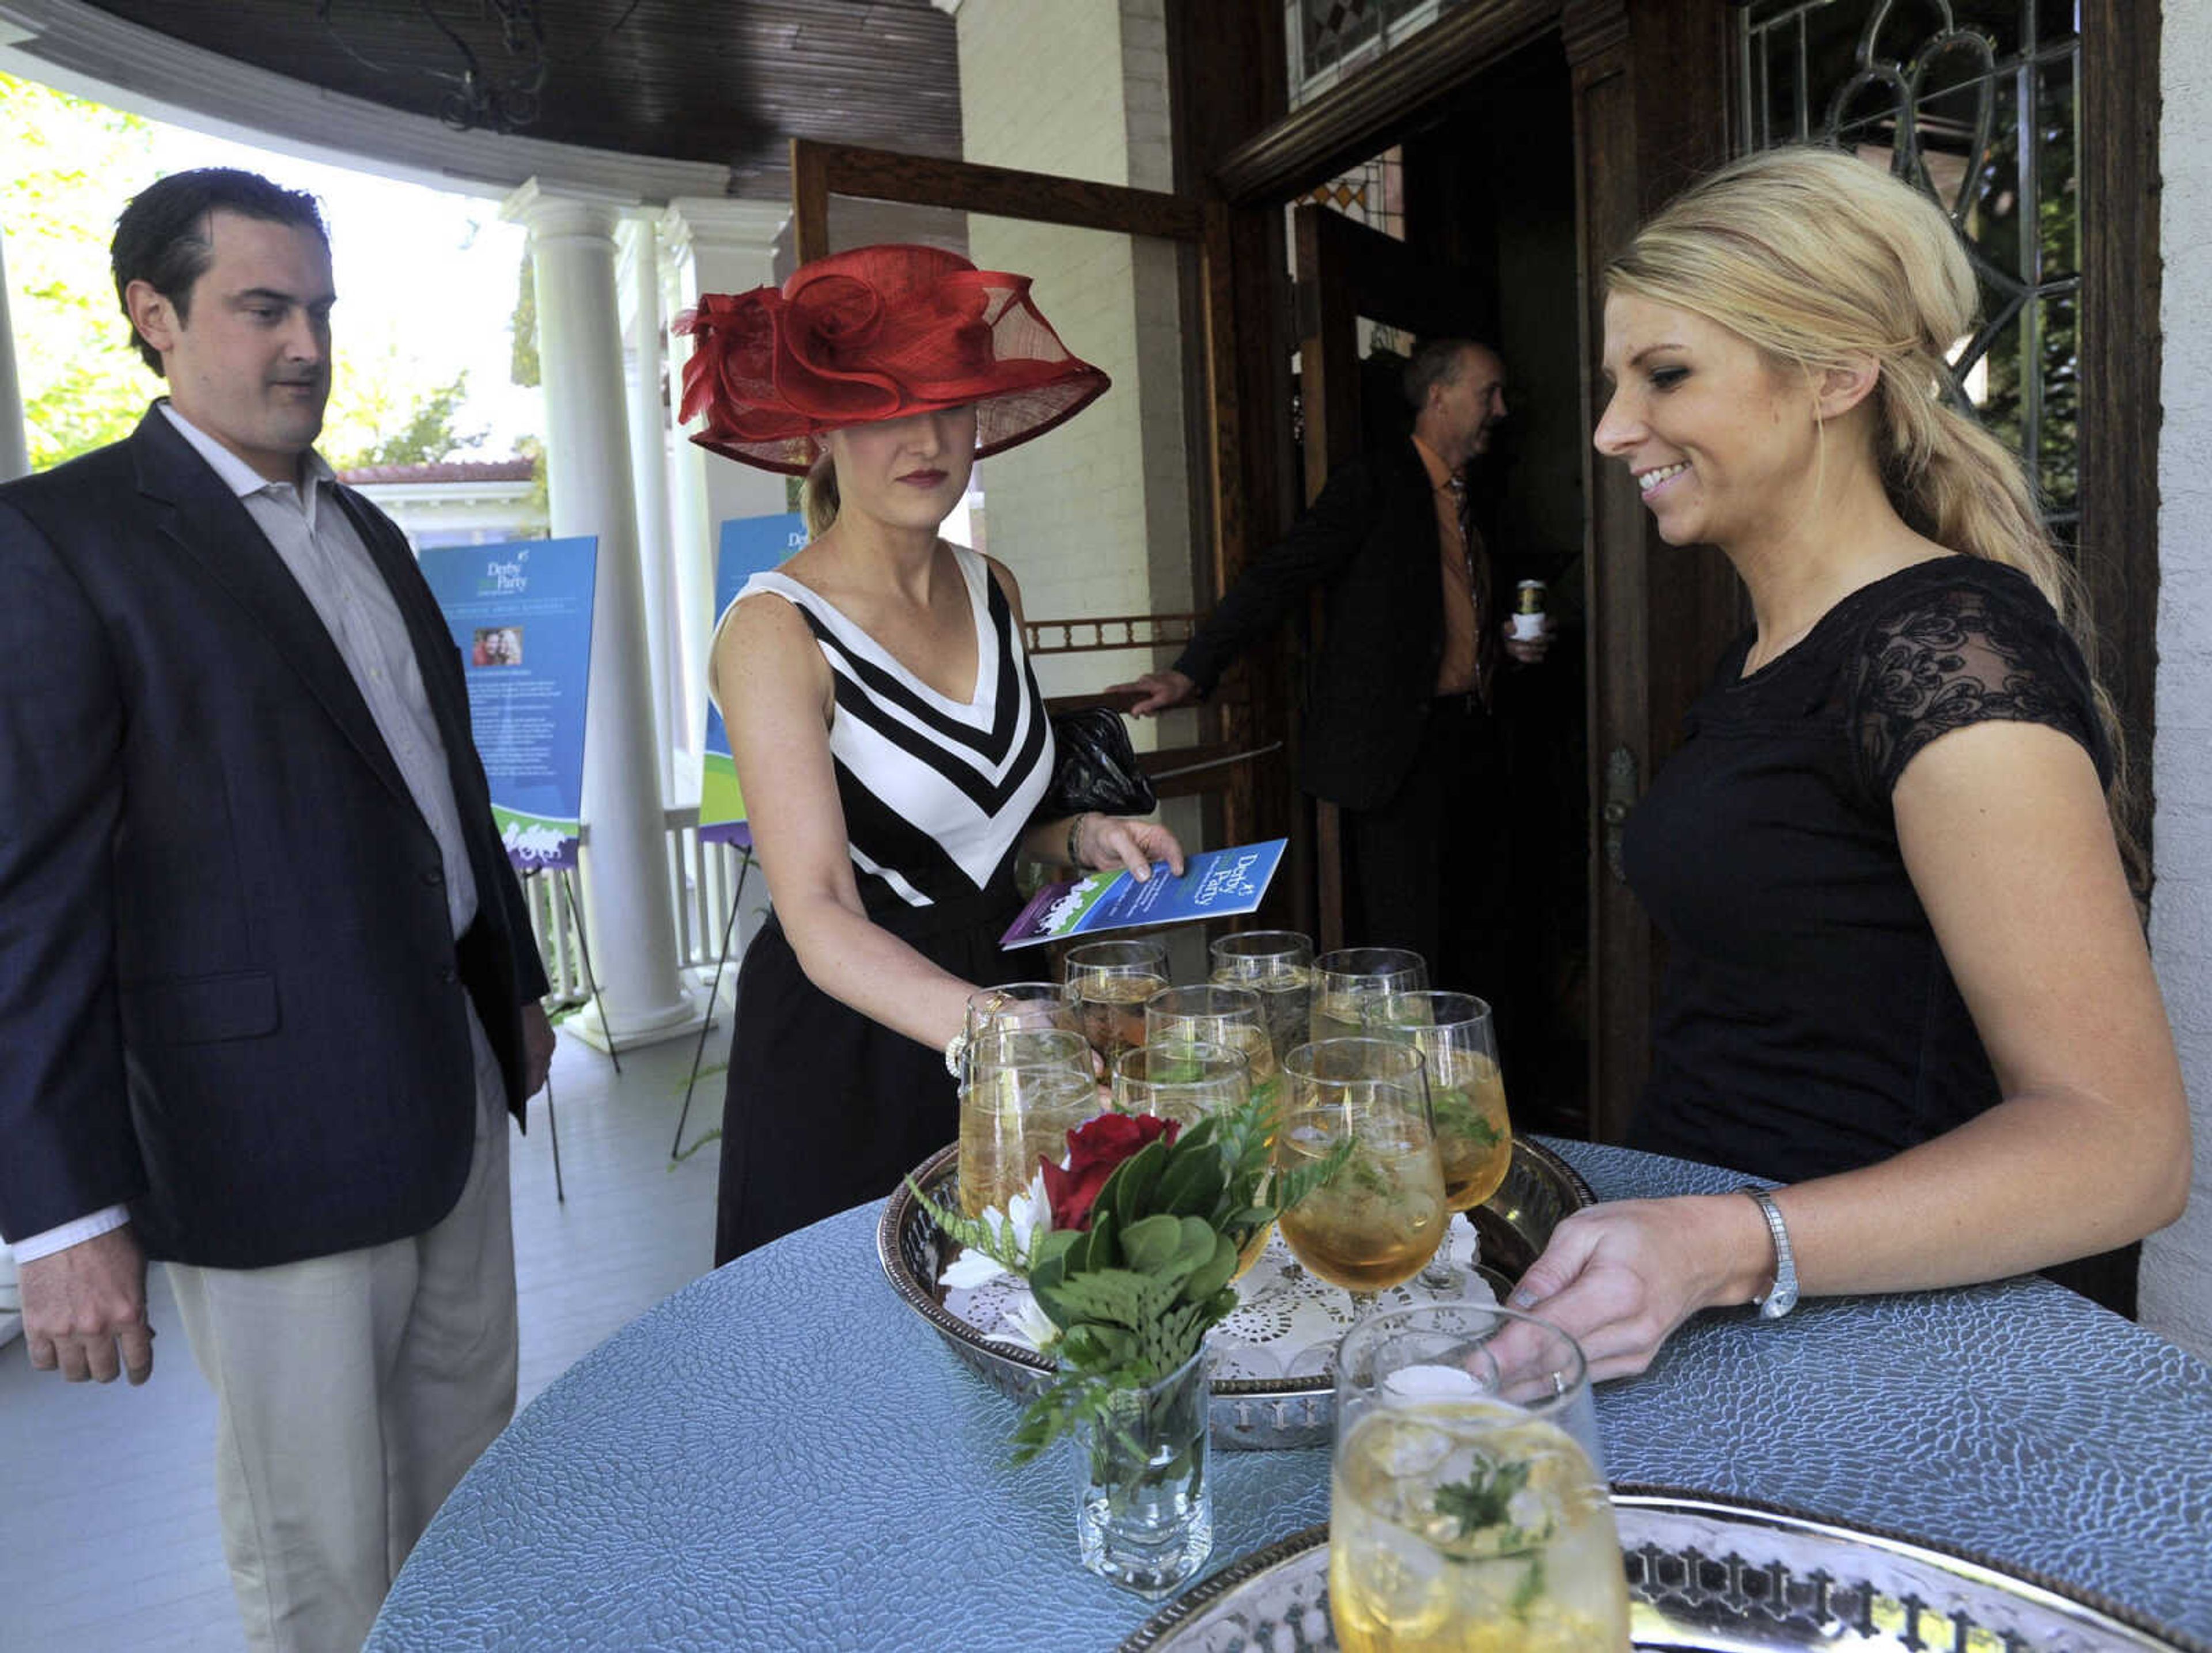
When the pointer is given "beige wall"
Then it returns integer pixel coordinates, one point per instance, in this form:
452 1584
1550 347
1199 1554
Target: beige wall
2177 1274
1094 518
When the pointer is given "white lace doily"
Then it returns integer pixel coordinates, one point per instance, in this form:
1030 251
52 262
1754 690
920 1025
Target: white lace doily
1287 1321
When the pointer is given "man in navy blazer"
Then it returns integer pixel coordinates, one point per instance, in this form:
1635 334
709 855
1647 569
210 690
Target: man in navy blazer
1399 726
268 989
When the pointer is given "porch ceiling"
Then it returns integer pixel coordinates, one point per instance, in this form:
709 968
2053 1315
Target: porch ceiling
719 82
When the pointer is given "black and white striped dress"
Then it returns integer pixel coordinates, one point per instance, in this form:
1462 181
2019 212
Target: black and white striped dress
825 1108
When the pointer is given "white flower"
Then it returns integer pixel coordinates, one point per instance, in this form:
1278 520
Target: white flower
1030 1325
1029 1216
969 1270
1014 1231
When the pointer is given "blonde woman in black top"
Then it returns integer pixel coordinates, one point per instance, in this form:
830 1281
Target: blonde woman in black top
1908 976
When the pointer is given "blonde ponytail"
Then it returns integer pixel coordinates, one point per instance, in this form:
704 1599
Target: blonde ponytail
1819 258
818 495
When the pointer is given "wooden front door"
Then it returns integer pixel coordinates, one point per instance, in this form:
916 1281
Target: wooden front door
1652 99
1234 742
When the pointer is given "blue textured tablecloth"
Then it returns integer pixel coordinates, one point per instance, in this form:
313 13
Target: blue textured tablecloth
783 1455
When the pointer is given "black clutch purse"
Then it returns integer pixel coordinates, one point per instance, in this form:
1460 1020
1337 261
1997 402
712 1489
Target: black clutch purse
1096 768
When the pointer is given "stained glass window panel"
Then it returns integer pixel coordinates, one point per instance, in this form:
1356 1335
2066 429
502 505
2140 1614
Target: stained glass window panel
1975 101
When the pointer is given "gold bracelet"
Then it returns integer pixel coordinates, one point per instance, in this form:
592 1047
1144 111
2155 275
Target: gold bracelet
1075 840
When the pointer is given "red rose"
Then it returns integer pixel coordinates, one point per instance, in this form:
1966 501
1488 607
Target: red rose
1094 1149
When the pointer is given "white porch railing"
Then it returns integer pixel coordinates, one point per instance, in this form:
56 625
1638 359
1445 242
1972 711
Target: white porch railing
702 881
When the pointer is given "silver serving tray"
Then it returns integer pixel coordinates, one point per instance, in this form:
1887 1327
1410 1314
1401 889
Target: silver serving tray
1710 1573
1514 1225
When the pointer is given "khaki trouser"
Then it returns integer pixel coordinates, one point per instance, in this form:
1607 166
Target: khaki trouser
354 1391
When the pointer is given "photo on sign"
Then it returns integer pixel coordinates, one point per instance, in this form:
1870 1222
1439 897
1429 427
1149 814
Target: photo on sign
496 646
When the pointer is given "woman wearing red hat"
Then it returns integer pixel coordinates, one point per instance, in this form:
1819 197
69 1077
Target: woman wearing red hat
889 735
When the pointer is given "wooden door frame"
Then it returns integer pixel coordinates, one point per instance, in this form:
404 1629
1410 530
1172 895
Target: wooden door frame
2119 358
1651 640
819 171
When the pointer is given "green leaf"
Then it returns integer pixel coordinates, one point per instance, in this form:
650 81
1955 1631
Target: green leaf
1291 1187
1191 1184
1212 1275
1478 1502
964 1229
1129 1191
1529 1592
1149 1246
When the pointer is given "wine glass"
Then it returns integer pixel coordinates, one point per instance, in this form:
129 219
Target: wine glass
1467 1094
1380 1217
1108 982
1278 965
1346 979
1184 1076
1023 1090
1184 1079
1012 1007
1236 1017
1465 1487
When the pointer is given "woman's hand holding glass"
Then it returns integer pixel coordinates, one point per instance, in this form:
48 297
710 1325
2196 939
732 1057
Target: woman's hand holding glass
1023 1090
1108 983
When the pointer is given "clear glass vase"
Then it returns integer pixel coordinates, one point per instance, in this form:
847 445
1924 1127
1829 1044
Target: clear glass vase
1146 1518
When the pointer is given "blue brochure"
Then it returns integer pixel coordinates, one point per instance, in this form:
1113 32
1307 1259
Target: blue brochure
1215 883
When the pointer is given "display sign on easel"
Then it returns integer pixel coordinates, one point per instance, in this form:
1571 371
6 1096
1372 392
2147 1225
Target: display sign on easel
520 613
748 546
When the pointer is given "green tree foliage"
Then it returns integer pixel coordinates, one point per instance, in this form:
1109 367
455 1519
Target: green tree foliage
67 168
386 434
70 166
524 370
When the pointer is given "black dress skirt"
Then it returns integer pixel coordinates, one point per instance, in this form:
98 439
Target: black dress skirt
825 1108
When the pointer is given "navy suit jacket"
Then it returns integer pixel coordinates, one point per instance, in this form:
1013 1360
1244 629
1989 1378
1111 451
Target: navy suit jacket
229 991
1370 540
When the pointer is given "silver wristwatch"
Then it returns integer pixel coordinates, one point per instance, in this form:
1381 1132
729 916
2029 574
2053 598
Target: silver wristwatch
1782 1297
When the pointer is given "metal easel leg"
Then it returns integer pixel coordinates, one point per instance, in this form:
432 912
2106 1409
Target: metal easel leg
564 883
553 1126
721 960
552 1119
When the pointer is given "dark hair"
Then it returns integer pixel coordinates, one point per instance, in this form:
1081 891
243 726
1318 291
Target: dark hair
162 239
1435 362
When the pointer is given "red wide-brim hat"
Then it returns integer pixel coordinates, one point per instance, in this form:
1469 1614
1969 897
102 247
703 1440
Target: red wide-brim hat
878 332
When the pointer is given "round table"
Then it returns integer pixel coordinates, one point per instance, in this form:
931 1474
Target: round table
783 1455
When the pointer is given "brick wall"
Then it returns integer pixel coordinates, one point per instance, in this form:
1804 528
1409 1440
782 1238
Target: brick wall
2177 1276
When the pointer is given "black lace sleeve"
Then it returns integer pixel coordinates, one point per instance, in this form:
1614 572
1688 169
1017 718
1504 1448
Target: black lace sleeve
1981 647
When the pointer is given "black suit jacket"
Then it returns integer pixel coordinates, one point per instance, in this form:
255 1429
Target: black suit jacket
1371 538
229 991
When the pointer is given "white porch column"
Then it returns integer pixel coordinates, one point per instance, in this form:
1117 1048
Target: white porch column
649 469
15 448
633 932
709 244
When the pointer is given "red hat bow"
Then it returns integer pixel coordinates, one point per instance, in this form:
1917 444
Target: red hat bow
880 332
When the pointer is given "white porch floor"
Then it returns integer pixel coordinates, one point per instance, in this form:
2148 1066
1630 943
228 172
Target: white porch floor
108 1541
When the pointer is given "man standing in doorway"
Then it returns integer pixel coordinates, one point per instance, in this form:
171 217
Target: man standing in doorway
1400 729
267 985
